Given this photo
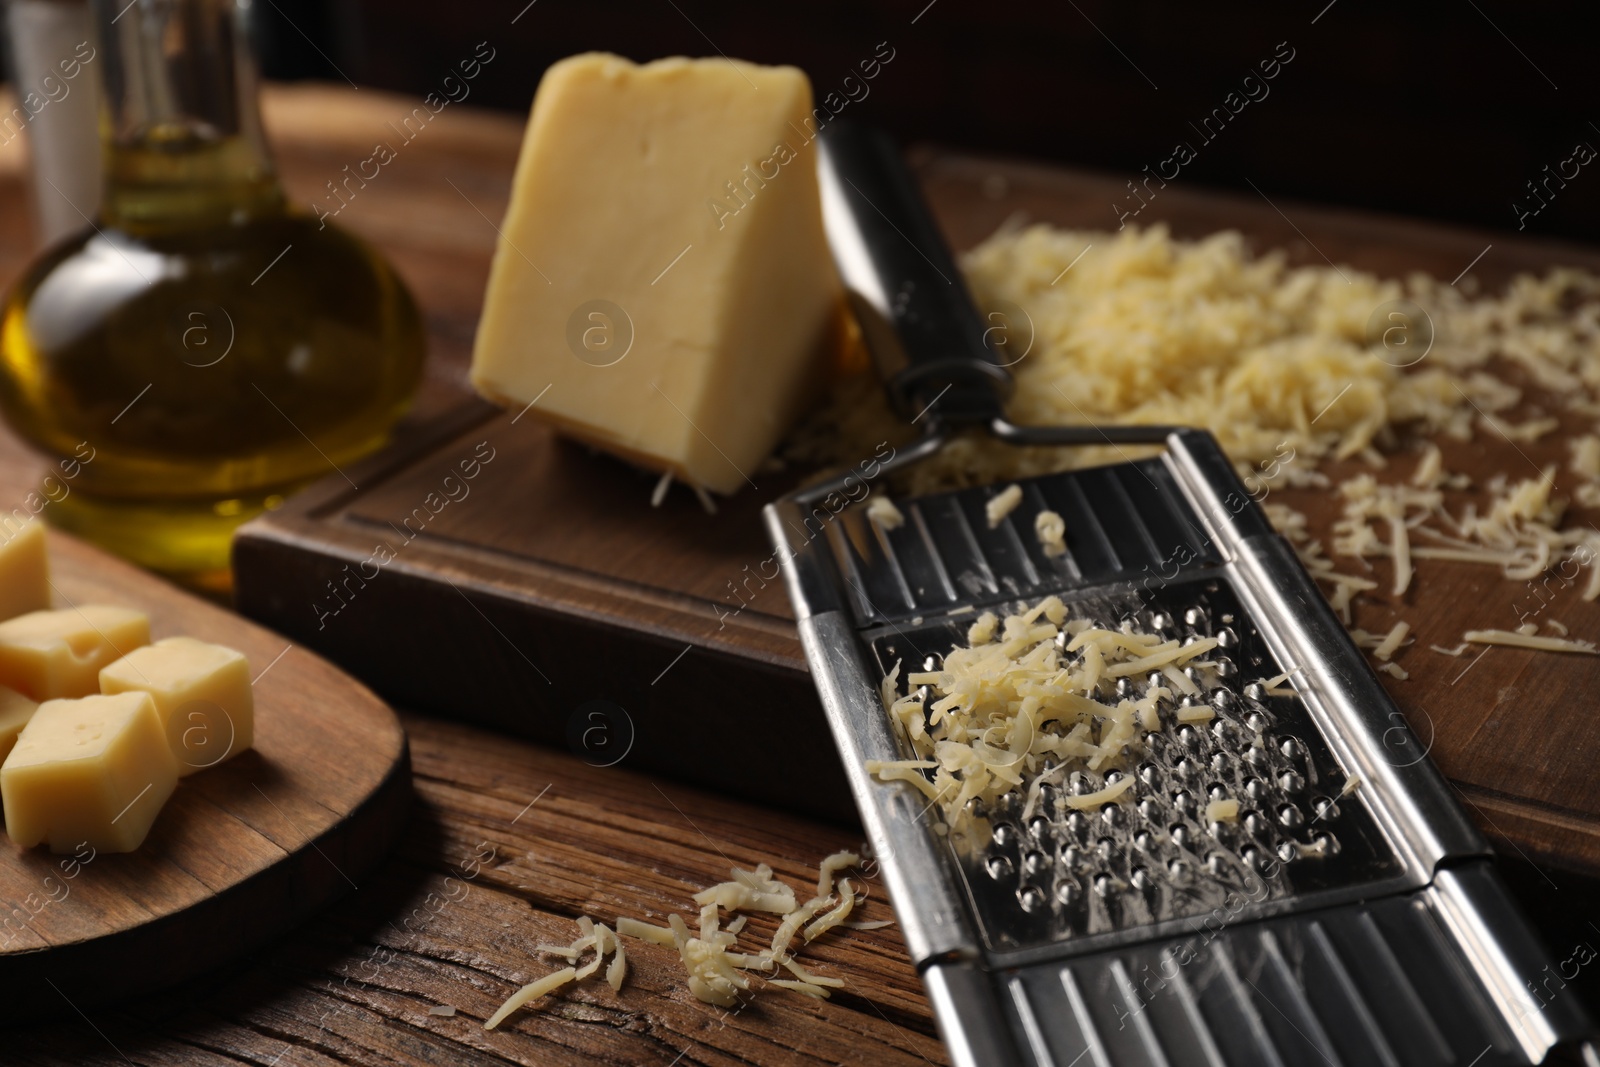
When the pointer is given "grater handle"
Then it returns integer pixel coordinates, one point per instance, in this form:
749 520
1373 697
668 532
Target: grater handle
927 338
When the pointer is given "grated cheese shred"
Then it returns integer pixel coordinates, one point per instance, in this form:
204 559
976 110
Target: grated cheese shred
1512 639
715 972
1392 641
1031 703
530 993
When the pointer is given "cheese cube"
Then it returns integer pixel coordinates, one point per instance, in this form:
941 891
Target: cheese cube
15 711
96 769
662 268
24 568
49 655
202 695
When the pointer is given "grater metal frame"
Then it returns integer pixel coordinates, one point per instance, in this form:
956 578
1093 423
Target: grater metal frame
1443 859
1417 965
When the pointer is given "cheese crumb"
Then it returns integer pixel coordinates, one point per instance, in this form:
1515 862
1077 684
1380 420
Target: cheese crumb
982 631
1051 529
881 510
659 493
1222 811
753 890
1585 456
1430 469
1002 504
829 866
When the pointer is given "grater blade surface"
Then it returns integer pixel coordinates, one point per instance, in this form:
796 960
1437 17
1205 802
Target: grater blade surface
1037 872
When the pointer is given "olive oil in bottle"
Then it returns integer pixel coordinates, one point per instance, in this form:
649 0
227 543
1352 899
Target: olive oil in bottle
202 348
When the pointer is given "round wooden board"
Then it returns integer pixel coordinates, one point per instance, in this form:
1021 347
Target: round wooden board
241 852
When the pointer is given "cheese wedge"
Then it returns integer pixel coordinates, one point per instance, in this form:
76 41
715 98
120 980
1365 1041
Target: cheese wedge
202 695
662 289
94 770
24 568
49 655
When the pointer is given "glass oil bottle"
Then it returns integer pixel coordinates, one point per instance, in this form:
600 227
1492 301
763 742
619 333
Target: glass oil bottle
207 346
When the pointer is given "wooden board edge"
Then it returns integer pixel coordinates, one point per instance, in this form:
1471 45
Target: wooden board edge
511 671
261 593
176 947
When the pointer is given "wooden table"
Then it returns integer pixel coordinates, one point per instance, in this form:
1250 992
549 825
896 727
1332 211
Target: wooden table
536 837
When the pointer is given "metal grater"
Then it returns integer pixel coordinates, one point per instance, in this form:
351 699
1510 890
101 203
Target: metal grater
1345 926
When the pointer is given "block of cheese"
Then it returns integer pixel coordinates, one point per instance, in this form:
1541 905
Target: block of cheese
15 711
96 769
48 655
202 695
24 568
661 286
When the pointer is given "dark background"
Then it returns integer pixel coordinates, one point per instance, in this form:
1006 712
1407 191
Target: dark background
1439 109
1443 109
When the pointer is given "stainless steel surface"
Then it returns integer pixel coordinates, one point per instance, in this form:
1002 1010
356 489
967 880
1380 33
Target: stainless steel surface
1347 701
1349 916
1381 935
1043 879
1382 983
964 1002
1503 952
1011 433
929 342
913 863
841 488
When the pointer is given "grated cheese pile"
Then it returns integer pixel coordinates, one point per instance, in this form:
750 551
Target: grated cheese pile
1274 360
717 972
1026 691
1287 366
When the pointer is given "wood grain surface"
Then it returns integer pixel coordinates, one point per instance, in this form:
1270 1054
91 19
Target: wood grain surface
549 586
242 852
509 843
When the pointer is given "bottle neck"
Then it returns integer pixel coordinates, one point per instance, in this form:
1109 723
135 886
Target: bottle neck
180 124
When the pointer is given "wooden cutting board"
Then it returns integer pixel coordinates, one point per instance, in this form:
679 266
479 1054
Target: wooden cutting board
239 854
552 601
